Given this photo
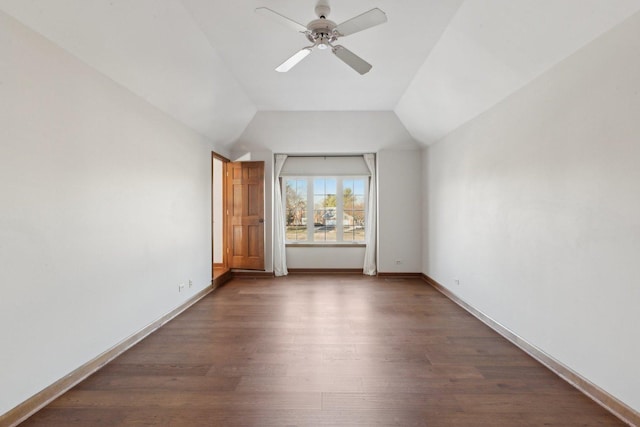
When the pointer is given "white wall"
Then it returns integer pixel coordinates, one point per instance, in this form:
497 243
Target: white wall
534 206
490 49
324 132
399 211
339 133
153 48
105 208
328 257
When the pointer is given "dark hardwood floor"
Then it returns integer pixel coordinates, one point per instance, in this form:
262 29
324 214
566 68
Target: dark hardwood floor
324 351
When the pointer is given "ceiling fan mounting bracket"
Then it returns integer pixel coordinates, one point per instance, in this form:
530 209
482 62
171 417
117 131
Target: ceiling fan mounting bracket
322 9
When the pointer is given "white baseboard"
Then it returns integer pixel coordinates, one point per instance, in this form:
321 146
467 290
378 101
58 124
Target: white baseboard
604 399
38 401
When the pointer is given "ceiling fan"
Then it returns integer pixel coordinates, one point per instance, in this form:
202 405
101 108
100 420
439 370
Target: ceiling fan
323 33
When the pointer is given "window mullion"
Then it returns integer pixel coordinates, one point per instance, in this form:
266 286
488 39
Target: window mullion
310 210
339 208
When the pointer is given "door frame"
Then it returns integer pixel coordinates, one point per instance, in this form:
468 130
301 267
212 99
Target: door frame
224 161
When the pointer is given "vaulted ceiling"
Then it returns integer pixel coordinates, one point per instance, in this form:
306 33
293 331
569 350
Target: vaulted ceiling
210 63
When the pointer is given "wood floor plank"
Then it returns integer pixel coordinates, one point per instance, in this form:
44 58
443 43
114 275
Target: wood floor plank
313 350
274 418
168 383
185 400
318 384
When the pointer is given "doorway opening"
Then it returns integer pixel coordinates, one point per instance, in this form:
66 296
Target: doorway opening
218 219
237 215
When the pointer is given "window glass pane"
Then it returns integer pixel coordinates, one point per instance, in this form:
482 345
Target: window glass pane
324 233
296 209
318 217
354 206
324 209
358 187
347 194
296 233
330 186
318 186
319 202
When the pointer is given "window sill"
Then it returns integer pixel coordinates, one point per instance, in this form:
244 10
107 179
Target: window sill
325 245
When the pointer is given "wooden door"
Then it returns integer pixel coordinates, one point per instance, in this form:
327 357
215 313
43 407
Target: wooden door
245 210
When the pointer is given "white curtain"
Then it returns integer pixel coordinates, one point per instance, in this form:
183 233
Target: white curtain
370 224
279 249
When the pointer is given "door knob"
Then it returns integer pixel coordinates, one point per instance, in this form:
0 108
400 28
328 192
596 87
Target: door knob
261 220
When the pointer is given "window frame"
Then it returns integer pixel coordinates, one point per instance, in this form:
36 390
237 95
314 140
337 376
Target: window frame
339 242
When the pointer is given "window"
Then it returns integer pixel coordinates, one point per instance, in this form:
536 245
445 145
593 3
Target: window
315 214
296 209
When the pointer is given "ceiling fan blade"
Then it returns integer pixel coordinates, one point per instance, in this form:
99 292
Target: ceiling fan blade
291 62
351 59
362 22
265 11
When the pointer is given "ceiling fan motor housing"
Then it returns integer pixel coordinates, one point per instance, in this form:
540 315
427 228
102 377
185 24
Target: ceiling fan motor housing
322 30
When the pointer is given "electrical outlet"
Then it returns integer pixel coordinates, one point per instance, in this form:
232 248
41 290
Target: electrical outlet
190 283
456 281
180 287
398 261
